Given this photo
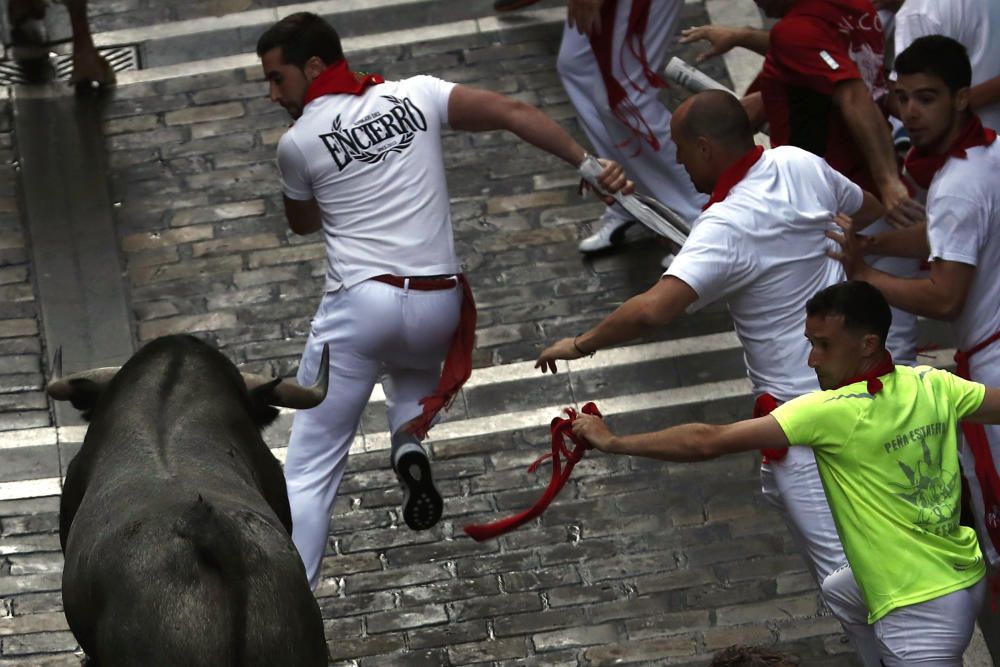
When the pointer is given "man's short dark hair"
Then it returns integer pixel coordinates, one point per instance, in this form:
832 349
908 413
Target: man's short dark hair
863 307
753 656
301 36
938 56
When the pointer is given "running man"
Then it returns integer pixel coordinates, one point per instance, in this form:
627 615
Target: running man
363 164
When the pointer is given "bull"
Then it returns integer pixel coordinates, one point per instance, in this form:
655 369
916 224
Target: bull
174 518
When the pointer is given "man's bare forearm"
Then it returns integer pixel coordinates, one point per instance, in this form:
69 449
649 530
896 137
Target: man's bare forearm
686 442
757 40
869 130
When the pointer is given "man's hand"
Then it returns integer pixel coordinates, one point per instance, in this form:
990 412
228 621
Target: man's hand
721 38
563 349
593 430
585 16
612 179
852 252
901 209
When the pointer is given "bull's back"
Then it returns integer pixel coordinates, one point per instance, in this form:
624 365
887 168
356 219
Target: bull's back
202 581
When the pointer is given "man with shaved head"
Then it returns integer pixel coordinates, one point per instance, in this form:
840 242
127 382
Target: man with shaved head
759 244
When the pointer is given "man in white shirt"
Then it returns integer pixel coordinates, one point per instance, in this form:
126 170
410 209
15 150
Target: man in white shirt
363 164
760 245
957 160
608 61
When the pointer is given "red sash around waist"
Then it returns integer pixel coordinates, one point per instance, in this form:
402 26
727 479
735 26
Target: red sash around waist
765 405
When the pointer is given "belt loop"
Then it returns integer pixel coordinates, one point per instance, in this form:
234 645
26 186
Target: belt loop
406 284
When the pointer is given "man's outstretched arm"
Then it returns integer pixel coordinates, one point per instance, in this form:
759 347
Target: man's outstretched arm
989 411
656 307
688 442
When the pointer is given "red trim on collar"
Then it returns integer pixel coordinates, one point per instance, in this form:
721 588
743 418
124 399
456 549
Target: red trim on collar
338 79
922 167
883 367
733 174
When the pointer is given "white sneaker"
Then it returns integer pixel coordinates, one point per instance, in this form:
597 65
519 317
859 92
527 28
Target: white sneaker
611 233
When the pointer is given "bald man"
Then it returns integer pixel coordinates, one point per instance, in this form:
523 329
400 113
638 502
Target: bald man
760 245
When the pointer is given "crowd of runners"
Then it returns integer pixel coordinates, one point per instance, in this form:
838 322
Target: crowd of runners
826 248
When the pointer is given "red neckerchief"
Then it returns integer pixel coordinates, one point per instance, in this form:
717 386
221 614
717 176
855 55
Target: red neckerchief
561 429
922 167
733 174
883 367
338 79
601 44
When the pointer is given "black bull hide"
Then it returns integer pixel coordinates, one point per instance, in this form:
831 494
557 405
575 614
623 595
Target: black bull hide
175 523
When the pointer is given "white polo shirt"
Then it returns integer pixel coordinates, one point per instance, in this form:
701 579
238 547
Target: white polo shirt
963 225
373 163
763 249
972 23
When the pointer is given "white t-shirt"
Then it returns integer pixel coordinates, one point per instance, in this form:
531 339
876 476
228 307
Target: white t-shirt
963 225
373 163
763 249
972 23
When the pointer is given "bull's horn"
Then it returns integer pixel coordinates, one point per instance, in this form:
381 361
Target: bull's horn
61 389
290 394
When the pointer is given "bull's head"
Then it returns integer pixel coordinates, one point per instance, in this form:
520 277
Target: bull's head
84 388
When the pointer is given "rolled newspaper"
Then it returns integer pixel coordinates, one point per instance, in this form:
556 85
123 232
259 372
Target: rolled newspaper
691 78
650 212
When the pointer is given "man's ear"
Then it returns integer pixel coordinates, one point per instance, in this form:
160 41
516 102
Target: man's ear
313 67
962 99
870 345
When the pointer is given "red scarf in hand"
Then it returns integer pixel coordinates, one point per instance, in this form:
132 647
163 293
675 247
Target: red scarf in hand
733 174
872 376
621 106
338 79
922 167
561 429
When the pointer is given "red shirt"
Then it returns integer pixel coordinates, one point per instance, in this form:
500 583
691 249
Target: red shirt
818 44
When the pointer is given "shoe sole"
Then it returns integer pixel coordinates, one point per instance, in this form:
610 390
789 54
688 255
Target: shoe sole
422 504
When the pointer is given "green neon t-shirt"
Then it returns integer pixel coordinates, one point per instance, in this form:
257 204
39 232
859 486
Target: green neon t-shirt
889 464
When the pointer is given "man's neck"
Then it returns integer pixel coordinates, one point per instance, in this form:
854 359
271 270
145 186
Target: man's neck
953 133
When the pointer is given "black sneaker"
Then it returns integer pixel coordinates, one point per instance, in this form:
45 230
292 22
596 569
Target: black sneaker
422 504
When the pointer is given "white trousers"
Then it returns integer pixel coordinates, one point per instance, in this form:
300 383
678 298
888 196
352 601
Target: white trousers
902 339
372 328
793 486
656 172
983 367
932 634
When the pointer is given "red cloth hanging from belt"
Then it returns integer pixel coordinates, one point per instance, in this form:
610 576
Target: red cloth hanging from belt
979 445
458 363
601 43
561 429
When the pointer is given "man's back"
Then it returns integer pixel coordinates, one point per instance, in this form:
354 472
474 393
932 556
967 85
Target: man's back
373 163
763 250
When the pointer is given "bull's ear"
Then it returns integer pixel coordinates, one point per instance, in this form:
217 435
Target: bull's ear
261 397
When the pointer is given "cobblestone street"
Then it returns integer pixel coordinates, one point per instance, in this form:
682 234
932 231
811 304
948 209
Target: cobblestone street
638 562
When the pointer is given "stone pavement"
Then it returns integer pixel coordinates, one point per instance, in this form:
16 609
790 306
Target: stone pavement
637 563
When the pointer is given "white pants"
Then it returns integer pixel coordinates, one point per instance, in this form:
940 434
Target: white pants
902 339
371 328
655 172
933 633
983 367
794 487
